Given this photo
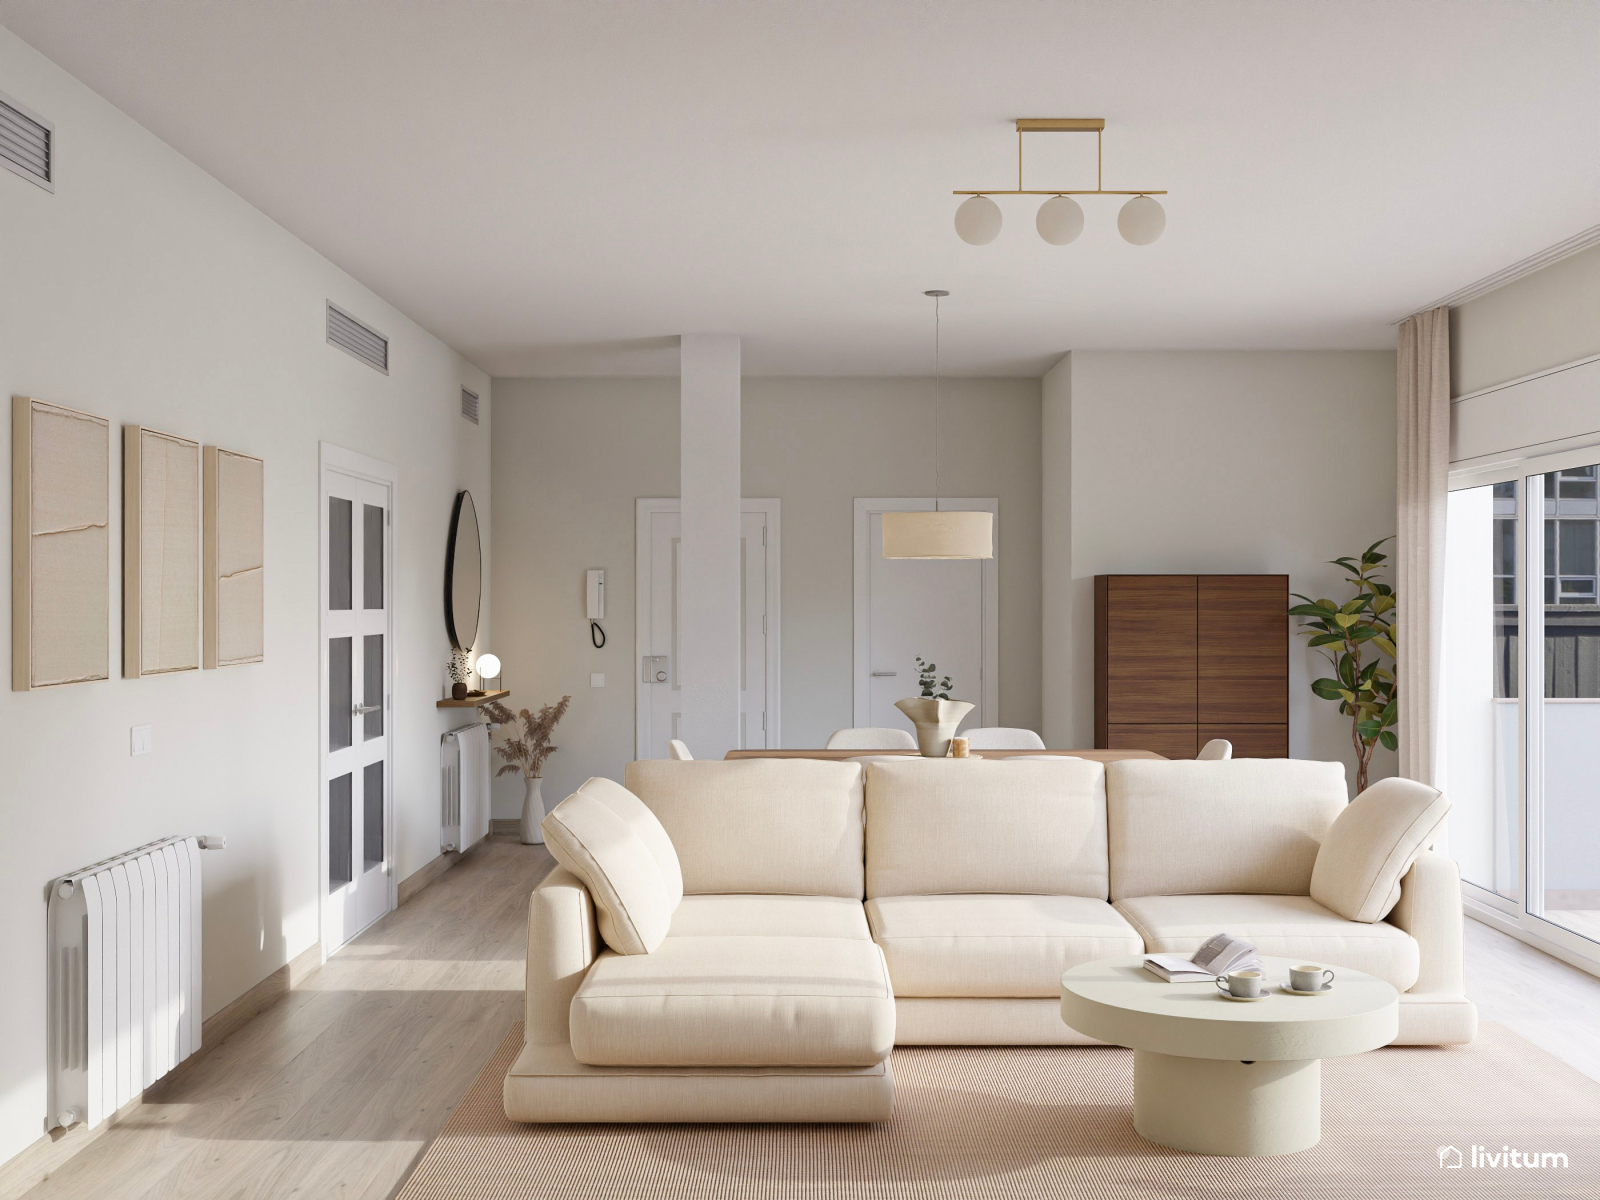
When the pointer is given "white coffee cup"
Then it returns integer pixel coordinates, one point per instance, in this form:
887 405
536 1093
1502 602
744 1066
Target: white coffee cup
1307 978
1240 983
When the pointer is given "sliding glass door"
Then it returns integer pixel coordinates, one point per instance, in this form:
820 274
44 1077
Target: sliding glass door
1522 696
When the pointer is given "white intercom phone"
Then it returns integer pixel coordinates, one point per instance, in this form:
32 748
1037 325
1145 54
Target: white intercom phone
596 599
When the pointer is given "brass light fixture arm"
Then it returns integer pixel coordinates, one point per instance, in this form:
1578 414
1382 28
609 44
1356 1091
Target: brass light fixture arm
1094 125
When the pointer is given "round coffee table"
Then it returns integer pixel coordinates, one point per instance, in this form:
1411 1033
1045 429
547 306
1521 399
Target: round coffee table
1221 1076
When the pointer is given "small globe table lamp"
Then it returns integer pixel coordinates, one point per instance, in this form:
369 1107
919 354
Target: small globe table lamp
488 667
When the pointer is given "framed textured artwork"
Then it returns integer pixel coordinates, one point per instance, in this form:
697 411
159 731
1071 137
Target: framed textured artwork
60 545
234 558
160 553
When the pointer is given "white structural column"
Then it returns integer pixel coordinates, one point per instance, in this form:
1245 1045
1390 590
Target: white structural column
708 556
1055 445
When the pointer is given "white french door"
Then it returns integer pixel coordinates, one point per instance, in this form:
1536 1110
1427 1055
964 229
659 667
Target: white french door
946 612
1522 697
658 697
357 656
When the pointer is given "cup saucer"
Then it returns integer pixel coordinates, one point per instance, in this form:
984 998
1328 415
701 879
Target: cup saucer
1250 999
1294 991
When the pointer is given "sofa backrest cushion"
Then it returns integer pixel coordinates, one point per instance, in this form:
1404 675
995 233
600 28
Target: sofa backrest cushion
605 836
780 826
1372 845
1243 825
952 826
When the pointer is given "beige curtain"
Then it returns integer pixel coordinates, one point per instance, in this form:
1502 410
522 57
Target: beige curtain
1423 404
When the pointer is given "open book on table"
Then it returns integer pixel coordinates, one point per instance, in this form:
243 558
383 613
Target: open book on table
1219 956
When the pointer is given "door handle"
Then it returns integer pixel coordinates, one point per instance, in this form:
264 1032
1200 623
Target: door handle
362 710
881 674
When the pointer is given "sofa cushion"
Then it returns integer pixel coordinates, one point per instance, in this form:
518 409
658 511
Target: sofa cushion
759 825
1294 927
1248 825
952 826
609 840
993 945
1372 845
737 1002
774 916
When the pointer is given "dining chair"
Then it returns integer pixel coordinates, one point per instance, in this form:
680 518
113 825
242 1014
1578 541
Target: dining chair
871 739
1216 750
997 737
678 752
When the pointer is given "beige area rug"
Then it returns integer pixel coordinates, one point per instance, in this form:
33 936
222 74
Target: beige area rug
1038 1123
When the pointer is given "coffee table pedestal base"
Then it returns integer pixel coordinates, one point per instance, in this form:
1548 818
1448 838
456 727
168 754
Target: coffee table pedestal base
1212 1106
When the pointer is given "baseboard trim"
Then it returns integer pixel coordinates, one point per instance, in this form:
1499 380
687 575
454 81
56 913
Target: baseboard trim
509 827
44 1157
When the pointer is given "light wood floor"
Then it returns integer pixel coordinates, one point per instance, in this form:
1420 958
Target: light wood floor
1552 1004
335 1091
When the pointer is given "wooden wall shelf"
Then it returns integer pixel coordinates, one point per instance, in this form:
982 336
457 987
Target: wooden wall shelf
473 701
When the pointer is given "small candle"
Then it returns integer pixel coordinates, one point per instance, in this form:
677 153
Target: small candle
960 747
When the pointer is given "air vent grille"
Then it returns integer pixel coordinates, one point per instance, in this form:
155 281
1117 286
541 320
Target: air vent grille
27 144
356 339
469 405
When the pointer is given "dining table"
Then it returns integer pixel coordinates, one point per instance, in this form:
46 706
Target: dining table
1103 756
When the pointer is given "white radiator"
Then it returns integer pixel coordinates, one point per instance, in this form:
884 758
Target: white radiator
464 780
124 976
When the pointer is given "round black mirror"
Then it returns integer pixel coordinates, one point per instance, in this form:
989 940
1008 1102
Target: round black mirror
463 574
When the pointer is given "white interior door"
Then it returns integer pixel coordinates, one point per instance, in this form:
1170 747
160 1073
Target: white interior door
944 611
659 708
357 658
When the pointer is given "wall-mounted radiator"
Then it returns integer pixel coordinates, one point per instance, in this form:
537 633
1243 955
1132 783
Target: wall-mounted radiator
124 976
464 781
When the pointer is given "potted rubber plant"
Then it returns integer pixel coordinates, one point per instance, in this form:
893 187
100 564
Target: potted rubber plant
936 716
1356 636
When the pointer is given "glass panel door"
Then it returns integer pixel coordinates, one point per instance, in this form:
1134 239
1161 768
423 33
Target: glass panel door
1482 715
1565 805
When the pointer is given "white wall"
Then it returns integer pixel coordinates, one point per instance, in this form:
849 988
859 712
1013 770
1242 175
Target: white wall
1531 324
145 291
572 455
1219 462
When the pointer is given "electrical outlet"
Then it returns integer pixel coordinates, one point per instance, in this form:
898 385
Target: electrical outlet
597 680
139 740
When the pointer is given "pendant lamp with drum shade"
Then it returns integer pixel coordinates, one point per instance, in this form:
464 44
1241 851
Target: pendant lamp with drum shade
940 533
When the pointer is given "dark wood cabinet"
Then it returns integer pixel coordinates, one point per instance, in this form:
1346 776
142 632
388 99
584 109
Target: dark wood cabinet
1182 659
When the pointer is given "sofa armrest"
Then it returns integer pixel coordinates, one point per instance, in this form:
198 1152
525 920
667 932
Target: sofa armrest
562 942
1430 911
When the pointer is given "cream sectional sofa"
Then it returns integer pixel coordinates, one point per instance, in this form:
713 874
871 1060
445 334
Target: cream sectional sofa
785 923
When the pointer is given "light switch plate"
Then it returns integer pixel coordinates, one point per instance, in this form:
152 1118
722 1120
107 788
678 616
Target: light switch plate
597 680
139 740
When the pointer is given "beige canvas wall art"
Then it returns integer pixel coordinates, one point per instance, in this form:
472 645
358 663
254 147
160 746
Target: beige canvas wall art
60 545
234 558
160 553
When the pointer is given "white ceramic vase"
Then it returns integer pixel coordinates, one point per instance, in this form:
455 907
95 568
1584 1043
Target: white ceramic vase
936 722
532 813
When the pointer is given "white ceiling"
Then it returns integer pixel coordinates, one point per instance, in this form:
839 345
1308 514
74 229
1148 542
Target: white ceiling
557 188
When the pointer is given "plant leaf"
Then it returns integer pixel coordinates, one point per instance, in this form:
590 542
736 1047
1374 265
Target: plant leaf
1389 740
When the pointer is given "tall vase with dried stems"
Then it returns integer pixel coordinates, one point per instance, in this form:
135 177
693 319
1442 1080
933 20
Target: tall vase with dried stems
525 755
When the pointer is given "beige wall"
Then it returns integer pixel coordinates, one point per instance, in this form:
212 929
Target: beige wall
571 456
816 444
145 291
1534 323
1236 461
